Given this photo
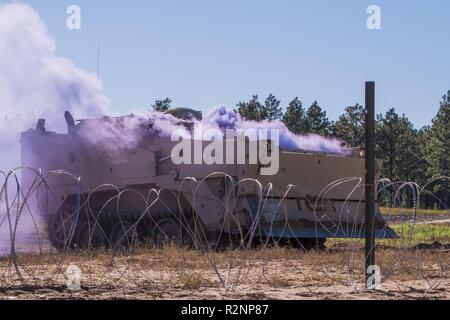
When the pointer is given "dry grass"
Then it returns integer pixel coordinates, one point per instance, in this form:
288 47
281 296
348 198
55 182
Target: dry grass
281 273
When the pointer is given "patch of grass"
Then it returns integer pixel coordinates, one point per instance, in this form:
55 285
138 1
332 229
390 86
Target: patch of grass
406 211
422 233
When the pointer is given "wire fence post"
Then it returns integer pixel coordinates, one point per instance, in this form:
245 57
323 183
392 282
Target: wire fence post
370 181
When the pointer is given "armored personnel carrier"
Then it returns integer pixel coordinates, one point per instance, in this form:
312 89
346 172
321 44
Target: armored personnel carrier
139 194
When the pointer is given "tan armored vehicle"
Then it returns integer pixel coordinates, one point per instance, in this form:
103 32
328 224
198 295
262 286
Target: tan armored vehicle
140 194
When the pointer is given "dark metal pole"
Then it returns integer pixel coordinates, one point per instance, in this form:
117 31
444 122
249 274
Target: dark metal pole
370 177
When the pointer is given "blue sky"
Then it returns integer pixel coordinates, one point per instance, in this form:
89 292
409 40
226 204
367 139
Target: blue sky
205 53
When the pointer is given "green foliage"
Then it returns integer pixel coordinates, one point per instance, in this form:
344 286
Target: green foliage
398 143
437 150
162 105
350 126
317 121
295 117
256 111
251 110
272 109
438 141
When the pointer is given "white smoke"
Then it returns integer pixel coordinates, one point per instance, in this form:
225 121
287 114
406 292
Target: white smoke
36 83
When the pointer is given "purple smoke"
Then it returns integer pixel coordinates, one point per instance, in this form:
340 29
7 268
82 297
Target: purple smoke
221 118
127 132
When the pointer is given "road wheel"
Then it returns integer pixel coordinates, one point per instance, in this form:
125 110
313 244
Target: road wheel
90 236
167 231
123 235
60 228
59 232
312 243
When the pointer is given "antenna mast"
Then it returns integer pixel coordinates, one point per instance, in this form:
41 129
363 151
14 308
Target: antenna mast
98 61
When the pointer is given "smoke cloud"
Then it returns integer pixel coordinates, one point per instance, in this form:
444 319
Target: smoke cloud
114 135
36 83
221 118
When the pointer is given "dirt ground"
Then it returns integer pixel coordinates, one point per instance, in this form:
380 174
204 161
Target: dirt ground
270 273
260 273
413 291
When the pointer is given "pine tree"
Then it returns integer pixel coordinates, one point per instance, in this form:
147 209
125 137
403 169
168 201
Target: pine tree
317 121
437 149
272 110
162 105
295 117
399 145
256 111
250 110
438 146
350 126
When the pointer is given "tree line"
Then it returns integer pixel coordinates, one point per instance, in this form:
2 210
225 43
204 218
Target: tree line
409 154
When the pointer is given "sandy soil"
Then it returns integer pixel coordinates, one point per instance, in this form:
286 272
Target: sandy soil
262 273
277 273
